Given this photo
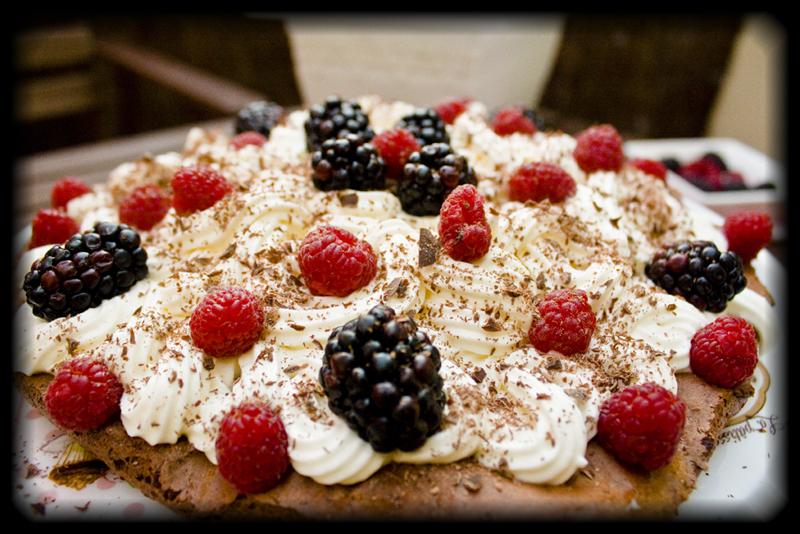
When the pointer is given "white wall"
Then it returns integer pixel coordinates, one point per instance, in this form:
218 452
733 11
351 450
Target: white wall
749 106
424 59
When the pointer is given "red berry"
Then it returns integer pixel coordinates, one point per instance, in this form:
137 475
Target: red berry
747 233
724 352
539 181
394 146
641 425
334 262
463 231
449 110
144 207
248 138
651 167
227 322
704 172
52 226
252 448
512 120
66 189
599 148
197 188
83 395
564 323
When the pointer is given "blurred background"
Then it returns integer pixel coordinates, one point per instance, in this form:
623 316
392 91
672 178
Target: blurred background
83 83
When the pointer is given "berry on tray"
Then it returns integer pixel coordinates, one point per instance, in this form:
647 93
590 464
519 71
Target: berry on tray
83 395
348 162
381 374
699 272
429 176
335 118
641 425
563 322
259 116
426 125
252 448
89 268
599 148
227 322
52 226
538 181
514 119
449 110
244 139
66 189
651 167
197 188
747 233
395 146
334 262
725 352
145 207
463 230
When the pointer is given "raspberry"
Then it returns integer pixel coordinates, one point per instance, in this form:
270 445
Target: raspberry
83 395
704 173
747 233
449 110
227 322
564 322
66 189
724 352
252 448
144 207
539 181
395 146
512 120
248 138
641 425
651 167
197 188
463 230
599 148
52 226
334 262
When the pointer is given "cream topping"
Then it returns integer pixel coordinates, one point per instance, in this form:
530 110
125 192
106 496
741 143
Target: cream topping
515 410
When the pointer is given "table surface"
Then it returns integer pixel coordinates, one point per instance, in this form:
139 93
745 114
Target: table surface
93 162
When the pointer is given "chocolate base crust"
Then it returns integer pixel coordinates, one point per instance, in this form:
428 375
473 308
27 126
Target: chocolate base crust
182 478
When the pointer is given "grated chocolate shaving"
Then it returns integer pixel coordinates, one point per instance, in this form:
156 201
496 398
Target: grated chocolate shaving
429 247
478 374
491 325
396 287
348 199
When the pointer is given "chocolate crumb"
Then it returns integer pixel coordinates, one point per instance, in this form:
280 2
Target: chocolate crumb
38 508
540 283
228 252
297 327
708 443
428 247
208 362
32 471
84 507
472 483
396 287
553 364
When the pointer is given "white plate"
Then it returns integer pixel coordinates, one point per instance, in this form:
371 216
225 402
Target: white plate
745 479
755 167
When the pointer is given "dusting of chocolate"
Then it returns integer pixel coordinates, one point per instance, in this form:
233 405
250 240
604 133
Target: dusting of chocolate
348 199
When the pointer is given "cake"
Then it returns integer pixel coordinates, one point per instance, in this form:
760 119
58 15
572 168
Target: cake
516 429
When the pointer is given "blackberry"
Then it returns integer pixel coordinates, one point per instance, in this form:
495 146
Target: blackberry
428 177
698 271
426 125
87 269
335 118
672 164
381 375
260 116
347 163
535 118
